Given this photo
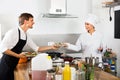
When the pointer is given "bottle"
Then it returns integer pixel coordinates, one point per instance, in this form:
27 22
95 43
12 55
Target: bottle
80 73
67 71
49 62
89 64
58 75
87 72
92 74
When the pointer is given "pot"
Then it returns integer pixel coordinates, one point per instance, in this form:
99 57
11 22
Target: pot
67 58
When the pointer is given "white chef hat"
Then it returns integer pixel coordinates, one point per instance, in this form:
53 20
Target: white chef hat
92 19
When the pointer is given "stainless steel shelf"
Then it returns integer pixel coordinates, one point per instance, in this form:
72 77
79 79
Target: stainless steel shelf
110 65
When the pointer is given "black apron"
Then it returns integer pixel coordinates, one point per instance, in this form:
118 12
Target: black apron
8 63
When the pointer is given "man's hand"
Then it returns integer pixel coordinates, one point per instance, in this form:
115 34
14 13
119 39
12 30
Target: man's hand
22 55
55 47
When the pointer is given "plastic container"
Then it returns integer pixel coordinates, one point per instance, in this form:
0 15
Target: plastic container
40 64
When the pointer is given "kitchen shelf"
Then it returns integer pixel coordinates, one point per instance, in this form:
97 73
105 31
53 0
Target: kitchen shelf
109 65
110 4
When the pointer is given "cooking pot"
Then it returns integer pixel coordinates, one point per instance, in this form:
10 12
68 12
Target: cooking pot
60 55
67 58
54 54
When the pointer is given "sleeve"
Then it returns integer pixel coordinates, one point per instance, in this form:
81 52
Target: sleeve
103 43
76 47
31 44
9 41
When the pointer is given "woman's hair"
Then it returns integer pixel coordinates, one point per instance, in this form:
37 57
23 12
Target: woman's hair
24 16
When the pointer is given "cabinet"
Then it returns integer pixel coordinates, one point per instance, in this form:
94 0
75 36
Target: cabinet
109 65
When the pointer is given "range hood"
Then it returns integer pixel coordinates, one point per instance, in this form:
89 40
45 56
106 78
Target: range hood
58 9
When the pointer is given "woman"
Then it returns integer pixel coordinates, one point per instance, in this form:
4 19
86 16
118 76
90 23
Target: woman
91 43
13 43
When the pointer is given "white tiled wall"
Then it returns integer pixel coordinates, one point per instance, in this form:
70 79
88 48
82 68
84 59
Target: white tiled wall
0 33
0 38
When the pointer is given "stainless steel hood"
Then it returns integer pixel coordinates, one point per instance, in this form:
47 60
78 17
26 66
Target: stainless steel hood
47 15
58 9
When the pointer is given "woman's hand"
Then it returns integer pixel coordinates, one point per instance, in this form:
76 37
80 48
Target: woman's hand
65 44
100 49
58 45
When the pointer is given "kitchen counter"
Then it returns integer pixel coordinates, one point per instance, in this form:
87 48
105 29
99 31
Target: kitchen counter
22 72
102 75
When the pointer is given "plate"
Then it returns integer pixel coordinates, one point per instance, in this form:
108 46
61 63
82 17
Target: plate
31 54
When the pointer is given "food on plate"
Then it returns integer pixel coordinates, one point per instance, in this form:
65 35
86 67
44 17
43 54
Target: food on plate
58 44
29 54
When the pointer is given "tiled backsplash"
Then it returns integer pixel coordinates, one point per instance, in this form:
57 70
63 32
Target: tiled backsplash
43 39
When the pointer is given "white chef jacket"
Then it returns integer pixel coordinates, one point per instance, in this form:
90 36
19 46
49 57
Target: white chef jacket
89 45
11 38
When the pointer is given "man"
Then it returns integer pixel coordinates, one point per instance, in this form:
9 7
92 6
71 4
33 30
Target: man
13 43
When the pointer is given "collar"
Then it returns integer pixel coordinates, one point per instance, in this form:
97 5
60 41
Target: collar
21 30
92 33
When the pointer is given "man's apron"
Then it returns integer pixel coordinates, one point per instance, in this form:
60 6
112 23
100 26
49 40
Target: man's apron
8 63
